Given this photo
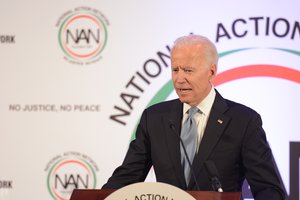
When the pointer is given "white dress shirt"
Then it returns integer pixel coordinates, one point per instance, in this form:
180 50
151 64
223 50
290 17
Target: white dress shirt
201 117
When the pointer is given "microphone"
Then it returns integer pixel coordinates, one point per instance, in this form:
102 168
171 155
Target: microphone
213 173
172 127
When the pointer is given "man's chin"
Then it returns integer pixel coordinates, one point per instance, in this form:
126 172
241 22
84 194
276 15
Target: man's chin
187 101
184 100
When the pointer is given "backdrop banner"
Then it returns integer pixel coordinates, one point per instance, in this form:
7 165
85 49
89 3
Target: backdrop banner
75 77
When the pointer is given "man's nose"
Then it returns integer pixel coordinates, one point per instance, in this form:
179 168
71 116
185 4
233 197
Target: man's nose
181 77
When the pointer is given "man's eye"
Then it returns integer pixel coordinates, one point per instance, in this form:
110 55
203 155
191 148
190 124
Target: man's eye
175 70
188 70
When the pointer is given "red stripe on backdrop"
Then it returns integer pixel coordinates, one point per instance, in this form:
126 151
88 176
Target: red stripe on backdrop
257 71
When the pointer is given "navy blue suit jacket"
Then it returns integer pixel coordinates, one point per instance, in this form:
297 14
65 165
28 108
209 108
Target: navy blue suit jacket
233 139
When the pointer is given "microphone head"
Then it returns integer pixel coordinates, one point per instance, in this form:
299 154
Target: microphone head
214 175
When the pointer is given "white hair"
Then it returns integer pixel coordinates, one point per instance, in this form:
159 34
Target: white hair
211 52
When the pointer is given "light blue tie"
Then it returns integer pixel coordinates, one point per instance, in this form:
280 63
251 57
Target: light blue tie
189 139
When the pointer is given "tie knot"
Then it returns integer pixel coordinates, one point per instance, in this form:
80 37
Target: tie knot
193 111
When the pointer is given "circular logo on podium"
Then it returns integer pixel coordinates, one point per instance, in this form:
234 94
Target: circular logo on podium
150 190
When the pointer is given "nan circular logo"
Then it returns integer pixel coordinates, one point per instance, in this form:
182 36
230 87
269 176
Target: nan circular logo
69 171
82 35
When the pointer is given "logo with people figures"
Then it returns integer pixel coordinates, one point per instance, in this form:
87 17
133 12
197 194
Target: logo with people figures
82 35
69 171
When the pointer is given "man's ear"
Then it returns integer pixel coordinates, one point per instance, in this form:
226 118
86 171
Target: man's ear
213 70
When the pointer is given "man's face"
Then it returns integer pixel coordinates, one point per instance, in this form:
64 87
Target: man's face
191 74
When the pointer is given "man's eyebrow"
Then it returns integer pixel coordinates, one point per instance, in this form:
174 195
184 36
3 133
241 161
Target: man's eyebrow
186 67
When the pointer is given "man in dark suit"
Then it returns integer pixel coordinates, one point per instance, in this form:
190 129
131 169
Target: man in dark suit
228 134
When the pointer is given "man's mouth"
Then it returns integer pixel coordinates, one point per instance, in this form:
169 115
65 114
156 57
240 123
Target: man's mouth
184 89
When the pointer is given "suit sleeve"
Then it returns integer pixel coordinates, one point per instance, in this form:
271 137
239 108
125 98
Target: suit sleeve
261 171
137 161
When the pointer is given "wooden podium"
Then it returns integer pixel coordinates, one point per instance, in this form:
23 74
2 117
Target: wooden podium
90 194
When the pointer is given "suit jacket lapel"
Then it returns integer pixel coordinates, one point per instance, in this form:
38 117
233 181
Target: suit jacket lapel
214 129
172 123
